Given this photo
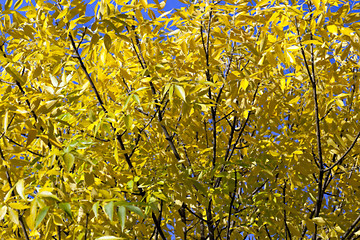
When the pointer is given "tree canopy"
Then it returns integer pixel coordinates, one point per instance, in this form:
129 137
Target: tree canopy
220 120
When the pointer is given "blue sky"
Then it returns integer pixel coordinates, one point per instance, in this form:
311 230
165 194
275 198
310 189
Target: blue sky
170 4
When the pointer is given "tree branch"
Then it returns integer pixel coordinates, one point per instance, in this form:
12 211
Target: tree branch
341 159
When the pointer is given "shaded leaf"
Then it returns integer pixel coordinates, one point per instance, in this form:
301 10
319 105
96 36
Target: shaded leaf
67 209
109 210
122 216
40 217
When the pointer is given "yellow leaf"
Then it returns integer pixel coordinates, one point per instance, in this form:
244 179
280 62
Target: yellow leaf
293 48
282 84
14 216
128 122
54 81
162 5
116 155
144 3
20 188
18 206
244 84
332 29
319 221
151 14
261 62
316 3
5 121
8 195
12 71
63 13
339 230
69 161
108 238
18 4
347 31
107 42
3 211
179 91
8 4
47 194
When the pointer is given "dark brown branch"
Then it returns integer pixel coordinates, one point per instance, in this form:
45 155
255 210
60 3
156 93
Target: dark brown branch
86 225
82 39
183 219
118 137
348 234
19 145
317 122
86 73
258 188
218 180
193 213
327 113
210 221
287 231
12 118
59 232
267 232
228 233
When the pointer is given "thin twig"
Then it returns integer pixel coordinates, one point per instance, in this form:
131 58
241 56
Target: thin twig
345 154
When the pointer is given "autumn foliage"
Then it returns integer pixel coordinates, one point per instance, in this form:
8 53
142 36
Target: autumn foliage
220 120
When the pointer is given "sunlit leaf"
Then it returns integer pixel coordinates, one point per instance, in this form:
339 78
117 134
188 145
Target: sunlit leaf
20 188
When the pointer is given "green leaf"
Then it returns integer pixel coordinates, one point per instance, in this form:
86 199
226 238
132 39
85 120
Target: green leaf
95 209
135 210
69 161
41 216
67 208
122 216
109 210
